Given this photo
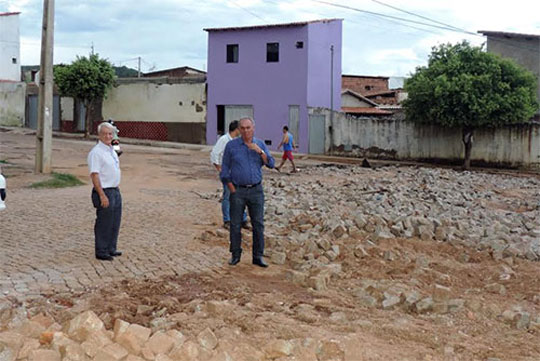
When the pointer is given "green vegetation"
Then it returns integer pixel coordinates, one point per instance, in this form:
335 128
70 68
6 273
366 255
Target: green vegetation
3 161
465 87
58 180
87 79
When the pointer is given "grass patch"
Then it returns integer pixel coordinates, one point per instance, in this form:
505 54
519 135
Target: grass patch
58 180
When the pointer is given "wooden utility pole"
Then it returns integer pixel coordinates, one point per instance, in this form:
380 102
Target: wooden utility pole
45 105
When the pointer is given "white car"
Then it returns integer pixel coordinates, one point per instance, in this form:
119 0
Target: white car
2 192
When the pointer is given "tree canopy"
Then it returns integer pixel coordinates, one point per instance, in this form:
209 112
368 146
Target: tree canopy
463 86
87 78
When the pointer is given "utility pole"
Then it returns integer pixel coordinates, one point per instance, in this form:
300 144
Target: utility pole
331 98
45 104
139 67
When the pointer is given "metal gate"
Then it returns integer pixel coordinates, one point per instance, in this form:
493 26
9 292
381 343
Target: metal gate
317 133
31 119
235 112
294 116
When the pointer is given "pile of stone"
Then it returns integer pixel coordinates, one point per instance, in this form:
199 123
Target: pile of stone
471 209
85 338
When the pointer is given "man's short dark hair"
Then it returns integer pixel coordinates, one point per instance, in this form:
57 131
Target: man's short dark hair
286 128
233 126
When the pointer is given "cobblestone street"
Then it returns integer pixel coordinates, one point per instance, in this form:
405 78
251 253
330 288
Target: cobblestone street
47 234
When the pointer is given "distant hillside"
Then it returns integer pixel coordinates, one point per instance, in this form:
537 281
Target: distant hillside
121 71
125 72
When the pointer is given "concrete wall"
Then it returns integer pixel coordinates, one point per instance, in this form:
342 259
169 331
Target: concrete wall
394 138
12 103
158 108
152 101
10 53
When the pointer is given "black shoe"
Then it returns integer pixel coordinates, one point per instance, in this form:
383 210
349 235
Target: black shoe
116 253
234 260
105 258
246 225
227 225
259 262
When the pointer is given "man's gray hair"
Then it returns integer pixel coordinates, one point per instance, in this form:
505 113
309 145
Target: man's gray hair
104 124
250 119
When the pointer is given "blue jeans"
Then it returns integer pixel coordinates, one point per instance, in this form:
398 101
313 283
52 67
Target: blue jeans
108 221
225 205
253 199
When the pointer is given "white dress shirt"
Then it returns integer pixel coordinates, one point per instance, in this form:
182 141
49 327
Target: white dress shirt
103 160
216 156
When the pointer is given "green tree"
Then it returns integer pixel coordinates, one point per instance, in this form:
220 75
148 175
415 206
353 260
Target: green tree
87 79
465 87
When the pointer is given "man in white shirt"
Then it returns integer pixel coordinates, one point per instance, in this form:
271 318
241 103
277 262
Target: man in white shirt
216 156
104 167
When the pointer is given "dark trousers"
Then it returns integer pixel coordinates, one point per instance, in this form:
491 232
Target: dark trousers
253 199
108 221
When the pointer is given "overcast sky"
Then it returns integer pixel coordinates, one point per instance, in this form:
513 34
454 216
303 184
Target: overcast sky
169 33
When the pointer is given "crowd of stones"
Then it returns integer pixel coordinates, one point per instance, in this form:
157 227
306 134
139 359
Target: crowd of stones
85 338
309 224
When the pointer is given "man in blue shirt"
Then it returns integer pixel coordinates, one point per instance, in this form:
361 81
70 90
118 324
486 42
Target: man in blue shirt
241 172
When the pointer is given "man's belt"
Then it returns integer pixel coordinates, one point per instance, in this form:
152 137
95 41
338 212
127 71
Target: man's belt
248 185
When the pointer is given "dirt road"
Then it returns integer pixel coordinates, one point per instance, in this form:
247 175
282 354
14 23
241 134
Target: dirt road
175 259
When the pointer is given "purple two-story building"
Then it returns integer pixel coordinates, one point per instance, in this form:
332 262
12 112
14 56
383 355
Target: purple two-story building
274 73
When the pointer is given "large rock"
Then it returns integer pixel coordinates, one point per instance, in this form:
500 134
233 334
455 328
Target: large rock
44 355
278 348
207 339
160 343
83 325
330 351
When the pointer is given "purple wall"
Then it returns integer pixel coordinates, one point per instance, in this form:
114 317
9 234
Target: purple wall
301 77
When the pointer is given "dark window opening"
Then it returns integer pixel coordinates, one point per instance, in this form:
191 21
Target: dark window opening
14 60
367 87
272 52
220 120
232 53
299 44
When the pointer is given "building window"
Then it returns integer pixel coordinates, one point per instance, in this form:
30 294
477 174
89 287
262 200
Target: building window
14 60
367 87
232 53
272 52
299 44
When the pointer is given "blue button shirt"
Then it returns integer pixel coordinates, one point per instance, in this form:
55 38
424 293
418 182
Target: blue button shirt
241 165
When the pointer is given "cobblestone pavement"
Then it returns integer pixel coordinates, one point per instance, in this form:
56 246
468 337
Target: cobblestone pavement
46 235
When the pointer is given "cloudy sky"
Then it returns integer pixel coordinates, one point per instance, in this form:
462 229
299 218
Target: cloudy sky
380 37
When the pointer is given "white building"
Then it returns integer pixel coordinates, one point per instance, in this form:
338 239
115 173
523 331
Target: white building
10 49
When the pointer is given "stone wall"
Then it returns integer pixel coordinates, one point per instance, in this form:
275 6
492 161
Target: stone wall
393 137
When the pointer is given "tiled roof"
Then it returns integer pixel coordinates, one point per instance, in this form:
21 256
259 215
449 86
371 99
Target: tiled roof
268 26
359 96
364 76
8 14
365 111
503 34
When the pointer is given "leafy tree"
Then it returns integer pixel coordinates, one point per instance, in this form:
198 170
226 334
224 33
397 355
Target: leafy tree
465 87
87 79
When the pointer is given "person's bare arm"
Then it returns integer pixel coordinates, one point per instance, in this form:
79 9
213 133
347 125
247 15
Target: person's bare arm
99 189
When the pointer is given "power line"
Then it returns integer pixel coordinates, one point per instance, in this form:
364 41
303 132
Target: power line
443 27
414 14
248 11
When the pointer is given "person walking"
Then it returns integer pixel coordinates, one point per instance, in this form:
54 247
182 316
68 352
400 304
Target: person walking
288 145
241 172
104 167
216 156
